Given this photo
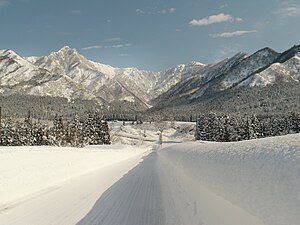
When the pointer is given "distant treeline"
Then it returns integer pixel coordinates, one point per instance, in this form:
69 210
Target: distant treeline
235 127
279 98
46 107
76 132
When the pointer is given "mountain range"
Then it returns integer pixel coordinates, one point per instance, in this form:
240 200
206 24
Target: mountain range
66 73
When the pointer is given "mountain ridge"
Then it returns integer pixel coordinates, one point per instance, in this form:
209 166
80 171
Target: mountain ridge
66 73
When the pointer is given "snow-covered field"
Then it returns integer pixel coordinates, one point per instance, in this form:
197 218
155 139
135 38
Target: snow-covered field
261 177
51 185
133 182
26 170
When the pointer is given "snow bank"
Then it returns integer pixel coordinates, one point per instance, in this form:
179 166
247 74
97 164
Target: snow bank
259 176
27 170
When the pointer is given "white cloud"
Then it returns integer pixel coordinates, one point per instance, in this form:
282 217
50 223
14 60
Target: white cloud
139 11
177 30
163 11
93 47
114 39
107 46
288 9
108 21
220 18
232 34
4 3
171 10
119 45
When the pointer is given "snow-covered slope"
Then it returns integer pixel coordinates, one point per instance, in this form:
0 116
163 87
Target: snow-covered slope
58 186
222 75
68 61
232 75
248 66
14 70
98 78
195 85
174 75
260 176
20 76
38 168
286 71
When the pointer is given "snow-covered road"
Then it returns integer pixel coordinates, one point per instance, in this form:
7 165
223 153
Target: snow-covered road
135 199
148 194
253 182
68 202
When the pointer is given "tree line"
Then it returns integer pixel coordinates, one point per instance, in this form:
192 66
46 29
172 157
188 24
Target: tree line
235 127
76 132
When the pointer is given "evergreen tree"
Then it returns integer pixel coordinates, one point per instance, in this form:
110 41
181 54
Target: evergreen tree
76 132
105 136
58 130
89 130
8 137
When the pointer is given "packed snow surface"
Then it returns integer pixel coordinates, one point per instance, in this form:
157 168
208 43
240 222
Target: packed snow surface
26 170
253 182
260 176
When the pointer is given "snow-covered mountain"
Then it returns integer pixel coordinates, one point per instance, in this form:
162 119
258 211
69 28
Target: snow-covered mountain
262 68
111 83
66 73
20 76
99 79
174 75
286 67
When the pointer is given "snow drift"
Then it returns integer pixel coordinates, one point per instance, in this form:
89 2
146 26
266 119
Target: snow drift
260 176
28 170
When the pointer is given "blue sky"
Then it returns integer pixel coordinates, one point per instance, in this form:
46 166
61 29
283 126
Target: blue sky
151 35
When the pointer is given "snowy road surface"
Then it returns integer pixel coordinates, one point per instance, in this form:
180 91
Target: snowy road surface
146 195
68 202
135 199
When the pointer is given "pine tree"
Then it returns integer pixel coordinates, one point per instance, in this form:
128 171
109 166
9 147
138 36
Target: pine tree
227 129
39 134
8 137
27 130
89 130
98 140
76 132
58 130
105 136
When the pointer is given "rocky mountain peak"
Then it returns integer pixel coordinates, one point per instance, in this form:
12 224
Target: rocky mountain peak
293 51
66 50
9 57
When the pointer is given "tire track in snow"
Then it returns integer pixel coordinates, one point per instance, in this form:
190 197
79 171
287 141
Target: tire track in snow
134 200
